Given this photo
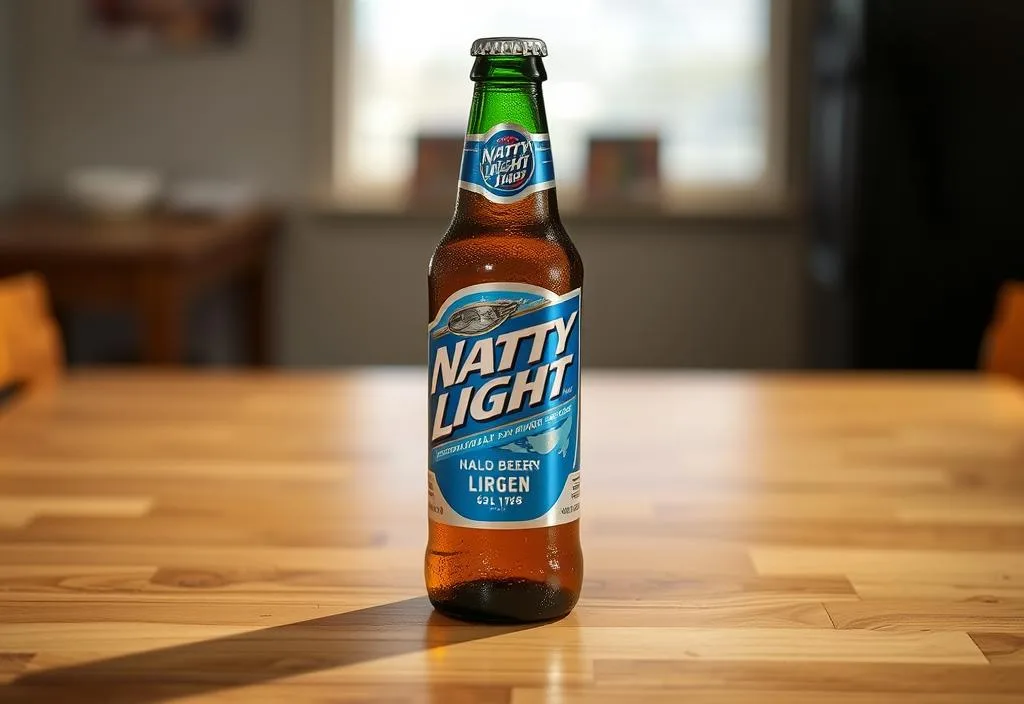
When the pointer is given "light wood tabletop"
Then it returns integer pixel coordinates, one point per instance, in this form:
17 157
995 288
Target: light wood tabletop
259 537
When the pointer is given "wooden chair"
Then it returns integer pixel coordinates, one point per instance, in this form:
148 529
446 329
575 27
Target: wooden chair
1004 342
30 342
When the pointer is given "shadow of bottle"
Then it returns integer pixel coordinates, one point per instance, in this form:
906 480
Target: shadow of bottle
254 657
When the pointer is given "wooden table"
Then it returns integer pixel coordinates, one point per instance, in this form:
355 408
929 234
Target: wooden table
259 538
154 266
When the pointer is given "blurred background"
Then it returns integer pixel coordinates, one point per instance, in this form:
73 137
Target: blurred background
753 184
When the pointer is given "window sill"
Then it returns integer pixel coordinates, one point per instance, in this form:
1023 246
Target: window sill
709 212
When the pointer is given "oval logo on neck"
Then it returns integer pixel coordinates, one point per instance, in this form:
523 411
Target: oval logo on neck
507 161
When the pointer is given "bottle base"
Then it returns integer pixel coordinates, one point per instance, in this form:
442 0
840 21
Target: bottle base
504 601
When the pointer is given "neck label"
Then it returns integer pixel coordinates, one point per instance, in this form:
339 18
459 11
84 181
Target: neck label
507 163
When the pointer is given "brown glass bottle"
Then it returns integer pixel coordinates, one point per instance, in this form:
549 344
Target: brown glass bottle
484 573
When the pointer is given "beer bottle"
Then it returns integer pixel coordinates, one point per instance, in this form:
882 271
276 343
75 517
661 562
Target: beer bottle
504 363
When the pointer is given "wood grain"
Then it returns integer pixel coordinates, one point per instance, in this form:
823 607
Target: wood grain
259 537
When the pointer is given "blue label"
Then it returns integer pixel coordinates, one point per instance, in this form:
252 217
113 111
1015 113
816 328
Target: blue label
504 407
507 164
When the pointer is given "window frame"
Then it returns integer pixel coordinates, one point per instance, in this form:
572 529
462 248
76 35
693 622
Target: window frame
775 193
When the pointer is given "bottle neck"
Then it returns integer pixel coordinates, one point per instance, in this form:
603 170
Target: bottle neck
507 90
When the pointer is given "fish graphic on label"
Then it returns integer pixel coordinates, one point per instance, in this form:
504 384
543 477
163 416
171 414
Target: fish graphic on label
484 316
545 442
478 318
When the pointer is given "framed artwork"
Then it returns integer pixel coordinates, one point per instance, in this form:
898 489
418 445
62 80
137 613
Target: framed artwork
438 161
144 26
623 171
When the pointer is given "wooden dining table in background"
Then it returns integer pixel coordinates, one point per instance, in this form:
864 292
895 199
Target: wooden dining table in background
154 266
253 537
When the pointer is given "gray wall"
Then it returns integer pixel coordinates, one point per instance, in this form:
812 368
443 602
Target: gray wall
239 113
8 139
352 289
666 294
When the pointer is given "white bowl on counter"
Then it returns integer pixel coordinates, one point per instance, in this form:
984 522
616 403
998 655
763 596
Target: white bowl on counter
114 192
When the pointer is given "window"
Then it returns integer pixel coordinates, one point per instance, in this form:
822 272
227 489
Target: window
696 73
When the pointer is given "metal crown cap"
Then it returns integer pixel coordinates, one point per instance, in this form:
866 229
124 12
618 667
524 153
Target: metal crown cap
508 46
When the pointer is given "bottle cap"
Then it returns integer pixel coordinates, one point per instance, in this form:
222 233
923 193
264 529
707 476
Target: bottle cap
508 46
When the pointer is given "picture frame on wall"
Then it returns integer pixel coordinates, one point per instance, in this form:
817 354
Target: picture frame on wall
136 27
437 165
623 171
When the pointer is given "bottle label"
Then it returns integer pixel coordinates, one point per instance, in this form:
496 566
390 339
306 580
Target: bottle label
504 407
507 164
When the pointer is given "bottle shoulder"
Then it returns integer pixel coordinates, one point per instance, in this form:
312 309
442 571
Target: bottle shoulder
551 242
548 259
546 234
